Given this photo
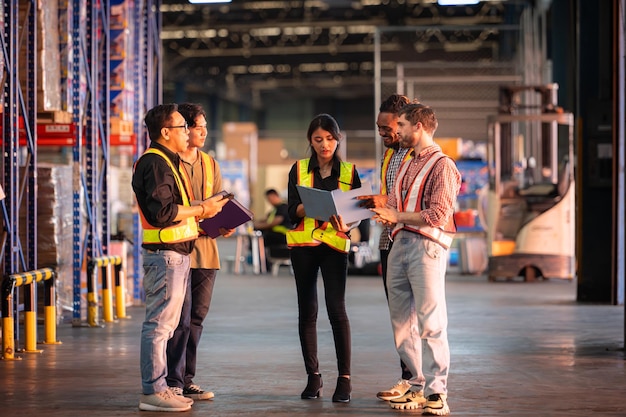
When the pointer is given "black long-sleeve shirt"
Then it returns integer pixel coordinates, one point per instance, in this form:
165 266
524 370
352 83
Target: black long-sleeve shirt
158 195
329 183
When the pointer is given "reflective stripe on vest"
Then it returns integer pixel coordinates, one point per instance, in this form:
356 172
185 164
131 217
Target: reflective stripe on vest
208 175
183 231
311 232
414 200
279 228
385 166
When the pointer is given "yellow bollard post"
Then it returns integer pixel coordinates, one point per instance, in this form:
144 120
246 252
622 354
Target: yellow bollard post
30 332
29 281
120 293
92 309
50 312
50 323
8 339
92 297
107 294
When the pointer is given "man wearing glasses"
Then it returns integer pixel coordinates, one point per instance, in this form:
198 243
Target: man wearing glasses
169 224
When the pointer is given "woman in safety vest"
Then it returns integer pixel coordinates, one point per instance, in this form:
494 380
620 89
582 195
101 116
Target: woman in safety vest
321 246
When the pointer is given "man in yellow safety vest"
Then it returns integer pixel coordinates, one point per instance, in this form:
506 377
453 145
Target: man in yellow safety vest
170 228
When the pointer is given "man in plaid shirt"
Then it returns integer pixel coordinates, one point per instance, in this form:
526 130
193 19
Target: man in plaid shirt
420 209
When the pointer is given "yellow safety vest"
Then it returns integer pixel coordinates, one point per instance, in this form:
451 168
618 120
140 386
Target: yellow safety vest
279 228
208 175
385 166
311 232
207 180
182 231
414 201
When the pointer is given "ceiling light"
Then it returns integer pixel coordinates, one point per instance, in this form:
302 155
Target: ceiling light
208 1
457 2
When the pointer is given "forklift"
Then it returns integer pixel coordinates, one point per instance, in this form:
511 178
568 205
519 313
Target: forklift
530 201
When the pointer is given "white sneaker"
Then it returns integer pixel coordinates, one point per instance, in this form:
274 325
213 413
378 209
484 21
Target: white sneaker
162 401
436 404
409 401
397 391
178 392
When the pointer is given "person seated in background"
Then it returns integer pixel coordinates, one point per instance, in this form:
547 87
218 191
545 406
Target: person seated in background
275 226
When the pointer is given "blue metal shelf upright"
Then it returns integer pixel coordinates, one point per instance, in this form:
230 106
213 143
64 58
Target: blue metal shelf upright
90 91
148 80
19 103
90 104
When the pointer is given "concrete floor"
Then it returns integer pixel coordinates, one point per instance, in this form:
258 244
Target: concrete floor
518 349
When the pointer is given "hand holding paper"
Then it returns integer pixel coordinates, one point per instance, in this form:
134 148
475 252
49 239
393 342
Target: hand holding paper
338 224
322 204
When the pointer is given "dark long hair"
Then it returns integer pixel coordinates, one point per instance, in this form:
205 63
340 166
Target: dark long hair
329 124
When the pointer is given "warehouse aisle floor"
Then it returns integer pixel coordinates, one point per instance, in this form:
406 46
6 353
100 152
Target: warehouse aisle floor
518 349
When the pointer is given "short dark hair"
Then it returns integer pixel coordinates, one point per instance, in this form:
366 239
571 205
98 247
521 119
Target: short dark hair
270 191
420 113
393 104
190 112
157 118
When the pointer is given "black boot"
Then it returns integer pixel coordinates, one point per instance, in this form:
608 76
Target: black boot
313 387
343 390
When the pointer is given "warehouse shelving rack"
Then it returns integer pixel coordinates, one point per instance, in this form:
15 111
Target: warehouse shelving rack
19 109
91 114
148 77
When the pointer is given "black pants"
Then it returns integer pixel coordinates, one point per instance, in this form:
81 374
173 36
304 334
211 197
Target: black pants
306 262
384 254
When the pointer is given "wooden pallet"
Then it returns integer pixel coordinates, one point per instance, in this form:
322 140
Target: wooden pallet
54 117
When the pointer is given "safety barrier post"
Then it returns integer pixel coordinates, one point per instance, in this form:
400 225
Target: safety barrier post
107 294
28 279
104 264
8 335
92 296
50 312
120 291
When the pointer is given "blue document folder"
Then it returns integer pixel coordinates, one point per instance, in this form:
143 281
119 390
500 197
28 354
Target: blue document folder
321 204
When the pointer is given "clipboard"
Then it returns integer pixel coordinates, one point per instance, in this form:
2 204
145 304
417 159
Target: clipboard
321 204
233 215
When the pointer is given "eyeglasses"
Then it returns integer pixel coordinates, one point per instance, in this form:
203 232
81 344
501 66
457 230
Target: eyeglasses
185 126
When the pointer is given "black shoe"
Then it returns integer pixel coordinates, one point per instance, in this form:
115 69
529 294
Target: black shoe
313 387
343 390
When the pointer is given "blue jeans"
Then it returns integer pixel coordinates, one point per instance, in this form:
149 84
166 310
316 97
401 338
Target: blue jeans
166 276
183 346
416 271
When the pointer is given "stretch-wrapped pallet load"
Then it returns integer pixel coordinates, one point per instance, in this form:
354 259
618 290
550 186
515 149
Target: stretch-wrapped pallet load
48 66
65 54
55 228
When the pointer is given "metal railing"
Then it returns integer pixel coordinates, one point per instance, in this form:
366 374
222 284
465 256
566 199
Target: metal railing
31 278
